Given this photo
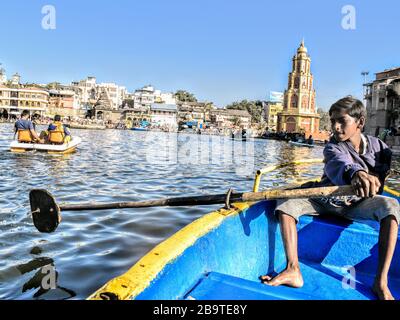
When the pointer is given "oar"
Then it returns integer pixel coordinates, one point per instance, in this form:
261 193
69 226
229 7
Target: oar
46 213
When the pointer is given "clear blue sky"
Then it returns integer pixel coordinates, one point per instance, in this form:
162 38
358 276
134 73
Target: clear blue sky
222 51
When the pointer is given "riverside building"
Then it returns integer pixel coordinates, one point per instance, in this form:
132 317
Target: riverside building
15 97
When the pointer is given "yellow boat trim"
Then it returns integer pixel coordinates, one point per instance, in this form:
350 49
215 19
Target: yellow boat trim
67 151
20 150
391 191
135 280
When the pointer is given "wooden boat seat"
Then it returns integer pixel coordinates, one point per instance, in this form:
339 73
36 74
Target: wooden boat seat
24 136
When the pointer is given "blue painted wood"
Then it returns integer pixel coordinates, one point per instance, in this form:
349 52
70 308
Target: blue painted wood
226 262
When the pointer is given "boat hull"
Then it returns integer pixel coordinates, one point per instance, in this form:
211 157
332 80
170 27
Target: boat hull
221 256
139 129
65 148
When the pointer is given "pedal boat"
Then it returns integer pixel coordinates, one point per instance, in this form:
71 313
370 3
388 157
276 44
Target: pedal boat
65 148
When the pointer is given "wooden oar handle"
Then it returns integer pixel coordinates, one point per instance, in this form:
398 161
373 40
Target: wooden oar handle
299 193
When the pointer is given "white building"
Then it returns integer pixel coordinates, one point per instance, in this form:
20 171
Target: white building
3 76
14 100
163 115
164 97
116 93
86 90
89 92
144 97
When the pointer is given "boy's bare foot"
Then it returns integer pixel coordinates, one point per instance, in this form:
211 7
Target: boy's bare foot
382 291
289 277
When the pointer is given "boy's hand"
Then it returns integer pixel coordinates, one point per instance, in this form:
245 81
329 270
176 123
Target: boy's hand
365 185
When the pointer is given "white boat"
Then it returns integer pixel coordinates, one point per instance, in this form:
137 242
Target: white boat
69 147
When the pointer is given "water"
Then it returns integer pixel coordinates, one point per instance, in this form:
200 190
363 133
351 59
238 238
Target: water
91 247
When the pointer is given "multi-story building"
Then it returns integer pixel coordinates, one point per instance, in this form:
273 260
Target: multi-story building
164 97
116 93
144 97
299 111
163 115
195 113
65 102
15 97
383 102
270 114
89 93
383 107
230 118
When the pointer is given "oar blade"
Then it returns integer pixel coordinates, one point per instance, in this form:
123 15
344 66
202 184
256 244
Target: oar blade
45 211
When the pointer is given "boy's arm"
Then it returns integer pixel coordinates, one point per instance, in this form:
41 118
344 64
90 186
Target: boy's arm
339 166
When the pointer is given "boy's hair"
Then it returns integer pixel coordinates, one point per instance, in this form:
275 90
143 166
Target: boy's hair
57 117
353 107
24 113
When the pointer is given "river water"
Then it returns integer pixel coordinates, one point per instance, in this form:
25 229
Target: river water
91 247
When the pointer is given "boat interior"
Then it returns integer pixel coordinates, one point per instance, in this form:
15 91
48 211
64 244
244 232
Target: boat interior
338 260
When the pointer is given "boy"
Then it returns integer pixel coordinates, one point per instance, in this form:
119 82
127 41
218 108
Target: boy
350 158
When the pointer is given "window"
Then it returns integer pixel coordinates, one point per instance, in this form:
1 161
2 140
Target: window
381 100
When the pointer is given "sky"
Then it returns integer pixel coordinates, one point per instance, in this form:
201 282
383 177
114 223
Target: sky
222 51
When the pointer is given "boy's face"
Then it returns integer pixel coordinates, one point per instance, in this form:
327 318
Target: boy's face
344 126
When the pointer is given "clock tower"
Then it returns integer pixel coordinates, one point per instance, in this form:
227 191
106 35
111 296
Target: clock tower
299 110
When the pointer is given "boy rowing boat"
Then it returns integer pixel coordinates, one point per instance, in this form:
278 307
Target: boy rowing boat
349 157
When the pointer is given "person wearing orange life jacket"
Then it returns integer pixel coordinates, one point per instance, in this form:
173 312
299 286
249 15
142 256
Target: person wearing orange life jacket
25 125
58 126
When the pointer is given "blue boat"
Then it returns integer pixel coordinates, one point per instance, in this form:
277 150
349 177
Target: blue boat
222 254
143 126
139 129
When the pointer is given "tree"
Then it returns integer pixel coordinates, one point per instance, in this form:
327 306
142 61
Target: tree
184 96
53 85
324 121
254 108
236 121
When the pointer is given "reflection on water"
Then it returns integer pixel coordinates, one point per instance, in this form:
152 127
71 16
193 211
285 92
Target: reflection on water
90 247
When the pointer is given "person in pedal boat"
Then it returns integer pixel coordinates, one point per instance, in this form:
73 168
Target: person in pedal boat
63 133
350 158
26 126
